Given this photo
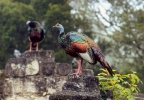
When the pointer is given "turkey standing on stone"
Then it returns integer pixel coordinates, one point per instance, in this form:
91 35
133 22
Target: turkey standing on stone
36 34
81 46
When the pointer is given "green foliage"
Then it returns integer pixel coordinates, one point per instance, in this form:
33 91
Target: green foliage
59 13
42 6
13 30
126 44
122 21
129 40
122 86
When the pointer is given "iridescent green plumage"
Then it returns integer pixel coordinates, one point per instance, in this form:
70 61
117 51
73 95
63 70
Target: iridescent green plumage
81 46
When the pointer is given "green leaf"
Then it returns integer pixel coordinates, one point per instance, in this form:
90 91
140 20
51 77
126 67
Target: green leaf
132 88
133 80
120 85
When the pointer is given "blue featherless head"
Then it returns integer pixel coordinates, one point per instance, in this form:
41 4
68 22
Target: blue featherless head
59 27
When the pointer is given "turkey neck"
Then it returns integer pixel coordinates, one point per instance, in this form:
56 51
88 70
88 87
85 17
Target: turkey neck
62 40
62 36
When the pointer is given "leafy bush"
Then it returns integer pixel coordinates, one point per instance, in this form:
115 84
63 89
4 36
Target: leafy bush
122 86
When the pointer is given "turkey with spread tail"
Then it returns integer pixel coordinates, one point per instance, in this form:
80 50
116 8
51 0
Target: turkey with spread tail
82 47
36 34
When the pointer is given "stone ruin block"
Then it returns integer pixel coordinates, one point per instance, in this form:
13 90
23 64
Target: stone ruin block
78 88
15 67
55 83
82 83
31 63
48 68
36 76
72 95
44 56
20 67
63 69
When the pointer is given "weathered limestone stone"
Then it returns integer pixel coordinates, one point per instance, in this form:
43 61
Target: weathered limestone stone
29 64
48 68
72 95
82 83
44 56
1 87
63 69
7 90
1 90
139 96
78 88
54 84
32 68
15 67
36 76
35 87
27 97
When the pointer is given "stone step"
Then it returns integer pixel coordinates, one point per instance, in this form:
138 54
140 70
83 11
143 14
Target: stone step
87 72
73 95
44 55
36 76
83 78
78 88
81 83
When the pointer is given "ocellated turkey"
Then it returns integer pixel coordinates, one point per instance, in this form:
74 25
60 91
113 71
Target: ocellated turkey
81 46
36 34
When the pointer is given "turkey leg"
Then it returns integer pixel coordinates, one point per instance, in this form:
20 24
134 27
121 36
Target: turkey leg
30 47
79 70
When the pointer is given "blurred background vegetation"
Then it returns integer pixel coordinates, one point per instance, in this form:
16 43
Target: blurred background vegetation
117 26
